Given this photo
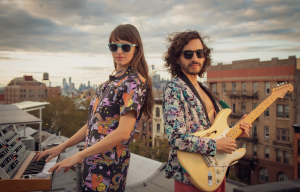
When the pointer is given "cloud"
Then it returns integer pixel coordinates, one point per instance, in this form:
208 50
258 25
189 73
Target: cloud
78 26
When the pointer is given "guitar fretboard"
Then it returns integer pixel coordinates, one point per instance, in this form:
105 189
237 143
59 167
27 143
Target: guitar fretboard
236 130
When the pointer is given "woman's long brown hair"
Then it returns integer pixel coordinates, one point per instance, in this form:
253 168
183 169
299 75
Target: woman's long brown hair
130 33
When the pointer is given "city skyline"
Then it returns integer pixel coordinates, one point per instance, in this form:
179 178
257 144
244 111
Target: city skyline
69 38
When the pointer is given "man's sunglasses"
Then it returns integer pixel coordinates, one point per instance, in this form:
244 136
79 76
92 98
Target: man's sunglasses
113 47
188 54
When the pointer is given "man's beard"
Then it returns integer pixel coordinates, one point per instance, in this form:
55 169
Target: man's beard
186 68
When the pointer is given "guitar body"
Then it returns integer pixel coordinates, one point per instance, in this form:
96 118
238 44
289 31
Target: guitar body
209 177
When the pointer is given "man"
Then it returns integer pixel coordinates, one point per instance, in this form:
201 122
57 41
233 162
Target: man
190 107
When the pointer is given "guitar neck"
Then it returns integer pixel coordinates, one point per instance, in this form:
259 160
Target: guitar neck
236 130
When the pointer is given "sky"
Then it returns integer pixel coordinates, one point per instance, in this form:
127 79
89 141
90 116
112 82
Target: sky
69 38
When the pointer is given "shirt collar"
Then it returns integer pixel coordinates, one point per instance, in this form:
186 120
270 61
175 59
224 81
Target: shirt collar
121 74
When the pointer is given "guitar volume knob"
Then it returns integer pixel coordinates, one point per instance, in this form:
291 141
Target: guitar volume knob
218 180
218 171
217 162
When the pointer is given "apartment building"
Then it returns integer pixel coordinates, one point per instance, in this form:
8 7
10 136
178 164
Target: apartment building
149 129
244 85
26 88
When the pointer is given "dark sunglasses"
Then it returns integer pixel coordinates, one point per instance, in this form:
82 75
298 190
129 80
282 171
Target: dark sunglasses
188 54
113 47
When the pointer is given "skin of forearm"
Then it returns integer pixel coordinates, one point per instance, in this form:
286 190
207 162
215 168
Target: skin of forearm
77 138
109 142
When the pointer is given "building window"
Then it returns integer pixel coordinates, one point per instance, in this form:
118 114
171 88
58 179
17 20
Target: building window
283 135
267 87
244 87
254 131
233 87
282 177
233 107
157 112
298 170
267 152
144 126
158 128
263 175
224 87
21 96
244 145
278 155
24 90
21 90
254 105
243 108
43 90
286 159
266 133
298 147
267 112
150 126
254 87
213 87
32 90
254 150
283 111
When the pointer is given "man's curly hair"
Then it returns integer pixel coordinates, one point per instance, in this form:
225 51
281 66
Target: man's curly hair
177 41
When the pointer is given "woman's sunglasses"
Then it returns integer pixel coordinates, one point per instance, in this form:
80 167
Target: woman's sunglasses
188 54
113 47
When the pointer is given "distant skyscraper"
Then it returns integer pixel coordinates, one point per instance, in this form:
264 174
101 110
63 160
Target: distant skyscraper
73 86
70 83
49 83
64 85
89 84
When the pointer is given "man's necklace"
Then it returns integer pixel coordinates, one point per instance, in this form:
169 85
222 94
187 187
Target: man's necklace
201 91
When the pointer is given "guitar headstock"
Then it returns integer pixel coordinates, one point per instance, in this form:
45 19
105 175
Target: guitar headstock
280 89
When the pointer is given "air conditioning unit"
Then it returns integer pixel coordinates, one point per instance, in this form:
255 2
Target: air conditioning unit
29 142
267 137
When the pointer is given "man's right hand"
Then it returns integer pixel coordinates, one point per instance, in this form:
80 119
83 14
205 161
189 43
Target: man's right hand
226 145
52 152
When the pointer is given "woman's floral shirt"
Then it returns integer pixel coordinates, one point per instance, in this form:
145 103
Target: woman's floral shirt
125 91
184 115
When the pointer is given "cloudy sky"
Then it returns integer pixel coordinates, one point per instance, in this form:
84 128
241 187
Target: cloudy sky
68 38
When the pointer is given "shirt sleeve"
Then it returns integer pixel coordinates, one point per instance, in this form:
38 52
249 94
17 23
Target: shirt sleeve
133 96
178 136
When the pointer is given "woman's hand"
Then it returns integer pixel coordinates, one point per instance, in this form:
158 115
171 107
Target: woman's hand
245 126
67 163
52 152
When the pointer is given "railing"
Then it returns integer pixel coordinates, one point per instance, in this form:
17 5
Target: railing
287 96
250 94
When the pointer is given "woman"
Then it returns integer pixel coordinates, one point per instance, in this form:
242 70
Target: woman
114 113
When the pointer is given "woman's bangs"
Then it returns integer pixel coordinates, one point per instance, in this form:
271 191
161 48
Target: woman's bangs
121 33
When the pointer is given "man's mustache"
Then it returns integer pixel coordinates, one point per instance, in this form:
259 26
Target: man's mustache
193 63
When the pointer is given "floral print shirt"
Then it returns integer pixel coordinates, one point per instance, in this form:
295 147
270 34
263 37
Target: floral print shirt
184 115
125 91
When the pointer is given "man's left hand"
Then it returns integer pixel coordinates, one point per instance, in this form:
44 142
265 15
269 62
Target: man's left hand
245 126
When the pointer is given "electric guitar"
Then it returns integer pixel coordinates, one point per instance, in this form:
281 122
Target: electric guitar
207 172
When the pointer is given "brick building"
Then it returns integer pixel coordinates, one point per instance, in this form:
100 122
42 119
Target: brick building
297 125
151 128
243 85
28 89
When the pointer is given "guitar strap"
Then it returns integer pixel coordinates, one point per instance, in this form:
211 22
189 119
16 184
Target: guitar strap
212 97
